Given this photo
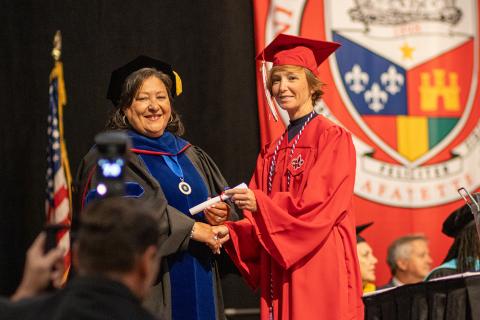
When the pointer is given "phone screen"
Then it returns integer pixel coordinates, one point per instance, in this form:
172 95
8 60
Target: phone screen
111 168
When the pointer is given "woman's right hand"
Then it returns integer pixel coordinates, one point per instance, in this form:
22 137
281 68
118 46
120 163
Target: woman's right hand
203 232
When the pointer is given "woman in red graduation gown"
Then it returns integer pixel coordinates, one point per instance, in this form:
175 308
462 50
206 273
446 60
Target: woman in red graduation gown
297 241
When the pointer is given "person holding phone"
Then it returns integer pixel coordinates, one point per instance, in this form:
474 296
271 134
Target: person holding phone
116 255
43 267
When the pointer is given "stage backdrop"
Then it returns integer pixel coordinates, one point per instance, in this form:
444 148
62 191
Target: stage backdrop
210 44
405 83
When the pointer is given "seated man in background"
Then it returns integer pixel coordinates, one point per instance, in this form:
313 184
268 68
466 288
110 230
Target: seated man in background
116 255
366 259
409 260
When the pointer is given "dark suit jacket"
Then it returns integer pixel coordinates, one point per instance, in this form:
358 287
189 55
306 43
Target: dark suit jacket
84 298
390 284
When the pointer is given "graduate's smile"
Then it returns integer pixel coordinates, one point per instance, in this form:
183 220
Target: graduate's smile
290 89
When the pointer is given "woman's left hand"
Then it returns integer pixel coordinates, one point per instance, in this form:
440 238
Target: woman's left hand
217 214
243 198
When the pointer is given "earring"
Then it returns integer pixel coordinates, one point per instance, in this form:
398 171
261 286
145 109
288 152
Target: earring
171 118
124 120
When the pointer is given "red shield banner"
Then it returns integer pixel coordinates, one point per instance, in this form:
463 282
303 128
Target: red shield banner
405 83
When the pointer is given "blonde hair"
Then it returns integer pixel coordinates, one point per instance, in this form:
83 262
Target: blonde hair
314 83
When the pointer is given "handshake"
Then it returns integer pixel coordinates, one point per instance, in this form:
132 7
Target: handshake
213 236
216 212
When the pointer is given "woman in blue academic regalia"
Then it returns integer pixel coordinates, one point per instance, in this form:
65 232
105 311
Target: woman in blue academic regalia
175 175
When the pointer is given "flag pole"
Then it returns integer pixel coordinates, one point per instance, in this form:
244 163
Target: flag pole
57 72
59 201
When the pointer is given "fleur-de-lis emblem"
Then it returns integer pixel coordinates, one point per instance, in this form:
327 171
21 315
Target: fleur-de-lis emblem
297 162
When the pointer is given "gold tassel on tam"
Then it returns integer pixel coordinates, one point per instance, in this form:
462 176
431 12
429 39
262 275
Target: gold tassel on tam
178 82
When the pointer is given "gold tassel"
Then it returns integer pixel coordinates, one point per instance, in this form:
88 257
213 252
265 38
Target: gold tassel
178 84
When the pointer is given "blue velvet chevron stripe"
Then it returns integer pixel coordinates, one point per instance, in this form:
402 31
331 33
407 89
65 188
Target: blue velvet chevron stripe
191 275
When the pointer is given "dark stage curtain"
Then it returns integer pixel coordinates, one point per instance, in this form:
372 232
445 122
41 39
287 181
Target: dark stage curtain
209 43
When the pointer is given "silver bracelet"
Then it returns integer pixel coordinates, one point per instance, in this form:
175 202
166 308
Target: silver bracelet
192 231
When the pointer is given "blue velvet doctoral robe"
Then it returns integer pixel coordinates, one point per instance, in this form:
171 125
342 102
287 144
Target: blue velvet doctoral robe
192 288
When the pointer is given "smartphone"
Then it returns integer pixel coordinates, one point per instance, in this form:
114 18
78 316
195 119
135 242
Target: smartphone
112 147
53 233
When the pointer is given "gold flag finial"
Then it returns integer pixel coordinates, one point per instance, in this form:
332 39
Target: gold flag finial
57 46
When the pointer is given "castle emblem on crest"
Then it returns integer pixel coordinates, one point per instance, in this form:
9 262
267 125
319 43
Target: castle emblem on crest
398 12
407 75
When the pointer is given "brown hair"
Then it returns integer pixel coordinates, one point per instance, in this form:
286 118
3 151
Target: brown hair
113 232
314 83
132 84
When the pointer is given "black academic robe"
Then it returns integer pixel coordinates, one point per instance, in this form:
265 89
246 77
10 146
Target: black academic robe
176 226
84 298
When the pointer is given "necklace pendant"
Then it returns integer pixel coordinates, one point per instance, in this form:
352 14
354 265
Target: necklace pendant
184 188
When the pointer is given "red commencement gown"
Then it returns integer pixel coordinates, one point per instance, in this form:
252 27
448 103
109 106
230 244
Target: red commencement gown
303 239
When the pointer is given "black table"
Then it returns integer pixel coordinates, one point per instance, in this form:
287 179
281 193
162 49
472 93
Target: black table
451 298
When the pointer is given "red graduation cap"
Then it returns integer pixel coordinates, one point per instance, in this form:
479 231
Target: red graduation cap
298 51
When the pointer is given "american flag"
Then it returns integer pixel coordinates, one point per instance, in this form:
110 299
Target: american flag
58 200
